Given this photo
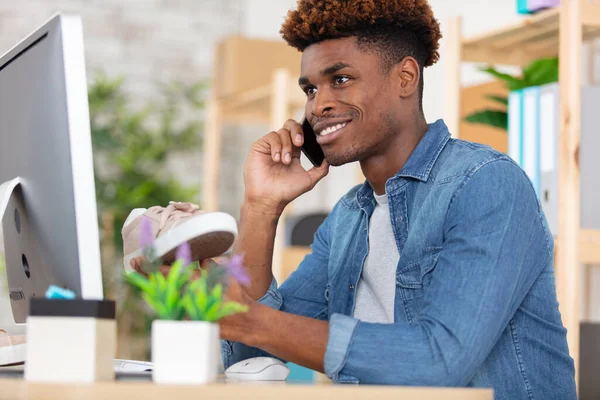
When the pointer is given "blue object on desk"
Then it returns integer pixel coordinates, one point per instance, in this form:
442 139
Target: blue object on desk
299 373
522 7
55 292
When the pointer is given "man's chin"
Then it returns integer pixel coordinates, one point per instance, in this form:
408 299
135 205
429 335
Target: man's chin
336 160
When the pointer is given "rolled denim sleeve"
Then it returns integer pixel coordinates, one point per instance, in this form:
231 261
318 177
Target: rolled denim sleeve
303 293
495 246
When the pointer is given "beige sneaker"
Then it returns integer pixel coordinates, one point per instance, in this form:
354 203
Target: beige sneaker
209 234
12 349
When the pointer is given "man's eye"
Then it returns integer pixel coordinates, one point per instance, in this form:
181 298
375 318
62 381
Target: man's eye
310 90
339 80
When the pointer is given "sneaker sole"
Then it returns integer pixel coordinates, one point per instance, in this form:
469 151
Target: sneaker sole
208 235
13 355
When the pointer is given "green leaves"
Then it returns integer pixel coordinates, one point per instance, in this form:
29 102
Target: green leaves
164 295
176 296
498 119
541 72
498 99
204 302
511 82
537 73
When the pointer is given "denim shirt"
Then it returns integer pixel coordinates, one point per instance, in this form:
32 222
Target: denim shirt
475 300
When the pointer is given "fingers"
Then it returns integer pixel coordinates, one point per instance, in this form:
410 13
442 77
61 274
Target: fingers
274 142
286 145
137 265
296 132
318 173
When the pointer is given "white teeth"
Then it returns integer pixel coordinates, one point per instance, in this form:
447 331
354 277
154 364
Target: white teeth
332 129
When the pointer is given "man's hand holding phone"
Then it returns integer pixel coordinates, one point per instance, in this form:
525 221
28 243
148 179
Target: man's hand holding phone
273 174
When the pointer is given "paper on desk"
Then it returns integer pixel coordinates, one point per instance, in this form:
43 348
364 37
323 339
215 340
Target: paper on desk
6 190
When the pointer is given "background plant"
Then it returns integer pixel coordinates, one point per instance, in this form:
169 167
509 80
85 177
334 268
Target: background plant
537 73
133 142
132 146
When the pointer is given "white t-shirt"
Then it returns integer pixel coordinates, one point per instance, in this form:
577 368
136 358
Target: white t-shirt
376 289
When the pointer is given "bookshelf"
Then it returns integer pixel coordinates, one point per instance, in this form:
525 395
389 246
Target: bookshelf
555 32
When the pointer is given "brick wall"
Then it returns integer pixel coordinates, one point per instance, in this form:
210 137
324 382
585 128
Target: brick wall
144 40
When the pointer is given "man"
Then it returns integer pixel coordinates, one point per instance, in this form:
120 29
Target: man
438 270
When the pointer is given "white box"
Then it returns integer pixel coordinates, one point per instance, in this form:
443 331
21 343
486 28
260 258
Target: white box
70 341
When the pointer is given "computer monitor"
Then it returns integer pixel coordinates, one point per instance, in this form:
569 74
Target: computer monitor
50 226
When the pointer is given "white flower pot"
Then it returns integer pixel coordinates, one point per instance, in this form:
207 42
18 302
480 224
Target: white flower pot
185 352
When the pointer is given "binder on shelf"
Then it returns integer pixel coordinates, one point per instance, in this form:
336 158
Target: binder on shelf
589 159
531 135
524 132
549 136
515 126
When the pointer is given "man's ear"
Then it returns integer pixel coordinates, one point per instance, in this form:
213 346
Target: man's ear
408 74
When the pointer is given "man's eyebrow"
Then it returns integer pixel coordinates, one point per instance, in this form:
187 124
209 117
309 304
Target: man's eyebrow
327 71
334 68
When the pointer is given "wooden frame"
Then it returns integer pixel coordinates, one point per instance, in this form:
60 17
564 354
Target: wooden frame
555 32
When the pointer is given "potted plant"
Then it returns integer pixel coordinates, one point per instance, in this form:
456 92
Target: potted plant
539 72
188 304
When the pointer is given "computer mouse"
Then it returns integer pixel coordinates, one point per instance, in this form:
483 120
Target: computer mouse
258 369
132 366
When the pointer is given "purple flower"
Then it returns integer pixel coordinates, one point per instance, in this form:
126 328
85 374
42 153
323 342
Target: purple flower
237 270
146 235
184 253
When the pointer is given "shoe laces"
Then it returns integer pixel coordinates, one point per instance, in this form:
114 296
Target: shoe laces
176 211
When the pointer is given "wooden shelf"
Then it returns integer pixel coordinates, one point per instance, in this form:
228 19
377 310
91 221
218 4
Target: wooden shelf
254 106
533 37
589 246
560 32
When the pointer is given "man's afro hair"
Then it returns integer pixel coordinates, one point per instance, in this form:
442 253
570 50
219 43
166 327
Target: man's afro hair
370 21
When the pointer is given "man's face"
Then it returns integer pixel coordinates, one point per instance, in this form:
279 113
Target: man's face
350 100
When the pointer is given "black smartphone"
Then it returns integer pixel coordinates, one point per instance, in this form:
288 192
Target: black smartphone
310 147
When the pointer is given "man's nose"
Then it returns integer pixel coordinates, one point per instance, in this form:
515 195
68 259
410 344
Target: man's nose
324 103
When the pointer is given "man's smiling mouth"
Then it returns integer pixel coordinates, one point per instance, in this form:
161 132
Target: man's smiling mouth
332 129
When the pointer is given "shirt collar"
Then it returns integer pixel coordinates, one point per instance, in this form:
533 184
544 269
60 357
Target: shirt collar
421 160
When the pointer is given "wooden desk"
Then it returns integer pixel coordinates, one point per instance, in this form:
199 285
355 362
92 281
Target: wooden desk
12 388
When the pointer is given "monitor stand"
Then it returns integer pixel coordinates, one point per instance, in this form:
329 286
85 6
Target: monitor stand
12 347
6 191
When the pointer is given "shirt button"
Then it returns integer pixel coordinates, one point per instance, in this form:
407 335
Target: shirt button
351 287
